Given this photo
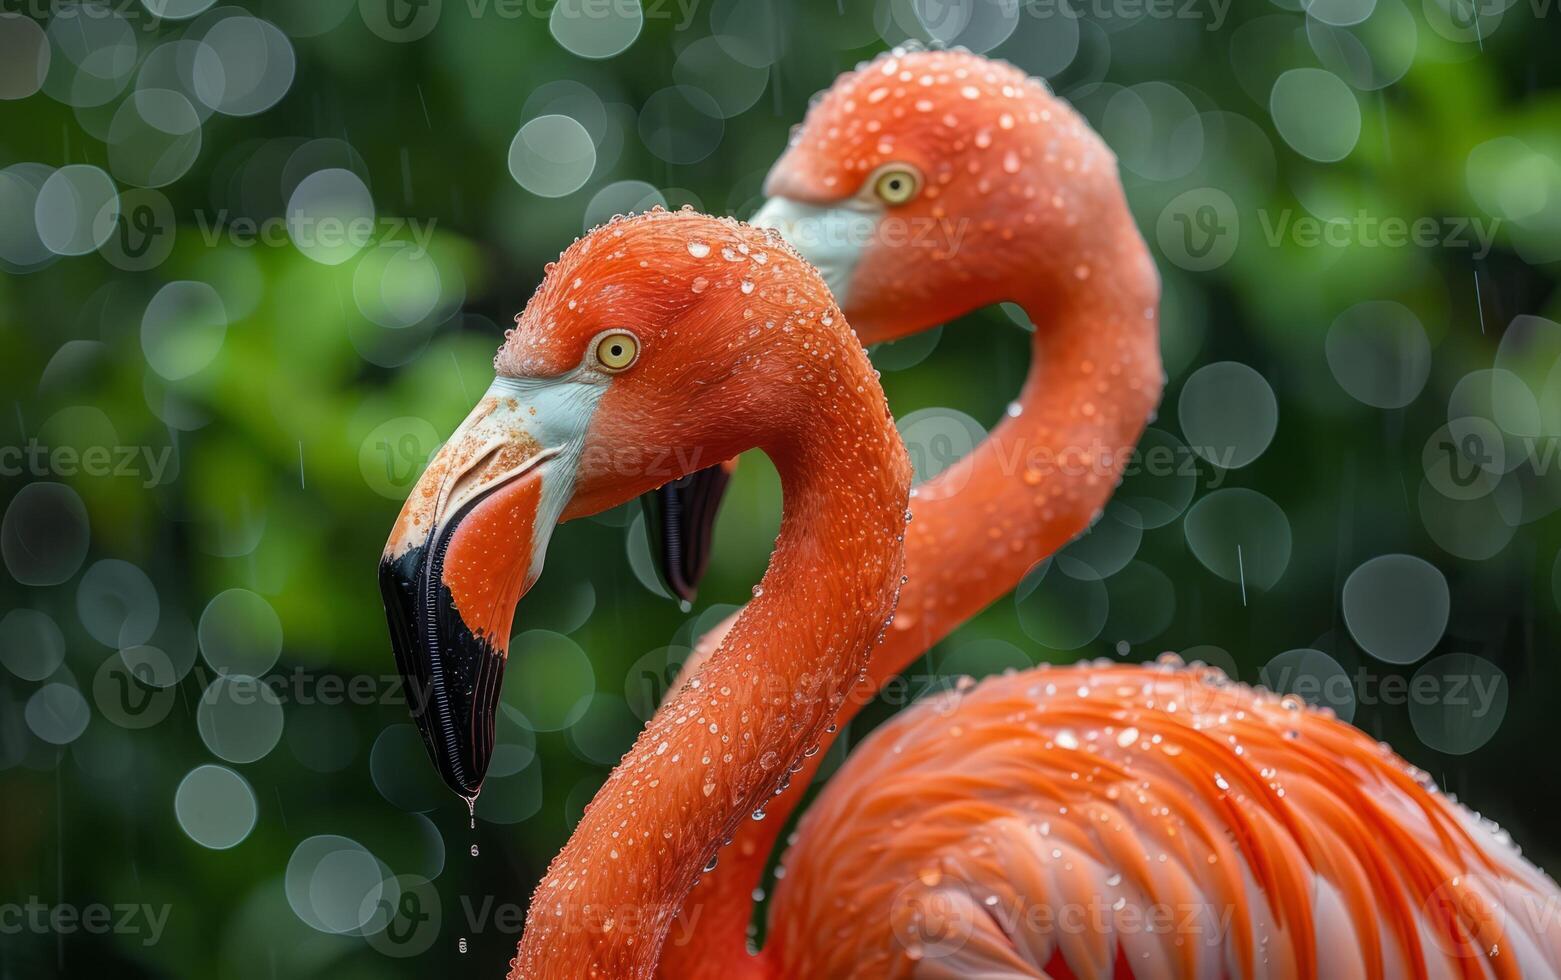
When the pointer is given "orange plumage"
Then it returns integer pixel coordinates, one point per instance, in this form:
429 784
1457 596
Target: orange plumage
960 836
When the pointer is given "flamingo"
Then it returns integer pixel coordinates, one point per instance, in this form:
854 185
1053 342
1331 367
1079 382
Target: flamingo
1279 831
664 337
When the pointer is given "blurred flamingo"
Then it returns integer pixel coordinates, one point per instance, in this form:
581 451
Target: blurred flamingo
1271 839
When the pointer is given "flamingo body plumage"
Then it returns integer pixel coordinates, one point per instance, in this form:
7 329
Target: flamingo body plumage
1150 822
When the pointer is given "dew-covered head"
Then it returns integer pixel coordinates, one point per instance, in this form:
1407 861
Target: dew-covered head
717 321
925 184
656 347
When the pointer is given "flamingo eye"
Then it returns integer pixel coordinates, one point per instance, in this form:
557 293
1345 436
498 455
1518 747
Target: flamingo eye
897 186
617 350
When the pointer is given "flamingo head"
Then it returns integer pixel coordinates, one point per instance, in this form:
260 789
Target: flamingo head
925 184
655 347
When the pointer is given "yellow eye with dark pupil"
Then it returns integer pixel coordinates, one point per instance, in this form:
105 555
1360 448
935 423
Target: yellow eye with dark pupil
617 351
896 186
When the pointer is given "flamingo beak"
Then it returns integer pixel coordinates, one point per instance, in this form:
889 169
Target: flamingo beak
468 544
681 519
832 237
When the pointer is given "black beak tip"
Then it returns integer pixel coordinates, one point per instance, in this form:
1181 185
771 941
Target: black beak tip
682 588
451 676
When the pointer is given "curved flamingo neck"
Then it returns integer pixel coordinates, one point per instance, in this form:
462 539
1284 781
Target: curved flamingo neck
1037 481
716 753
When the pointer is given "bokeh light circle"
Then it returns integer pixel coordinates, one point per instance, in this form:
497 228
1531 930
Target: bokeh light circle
330 215
1240 535
907 352
1316 113
240 633
552 156
549 679
21 249
44 534
984 657
397 284
1158 482
57 713
1474 529
77 209
117 603
154 138
24 56
1339 13
1396 607
514 743
177 9
244 66
1155 130
707 65
94 53
215 807
1458 702
605 730
31 644
333 883
513 798
1043 46
1228 413
595 30
1378 352
681 124
239 718
1061 612
183 328
1314 676
621 197
753 31
1106 547
1372 54
399 766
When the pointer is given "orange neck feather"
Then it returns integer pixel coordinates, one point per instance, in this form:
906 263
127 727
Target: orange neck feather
718 750
1036 482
